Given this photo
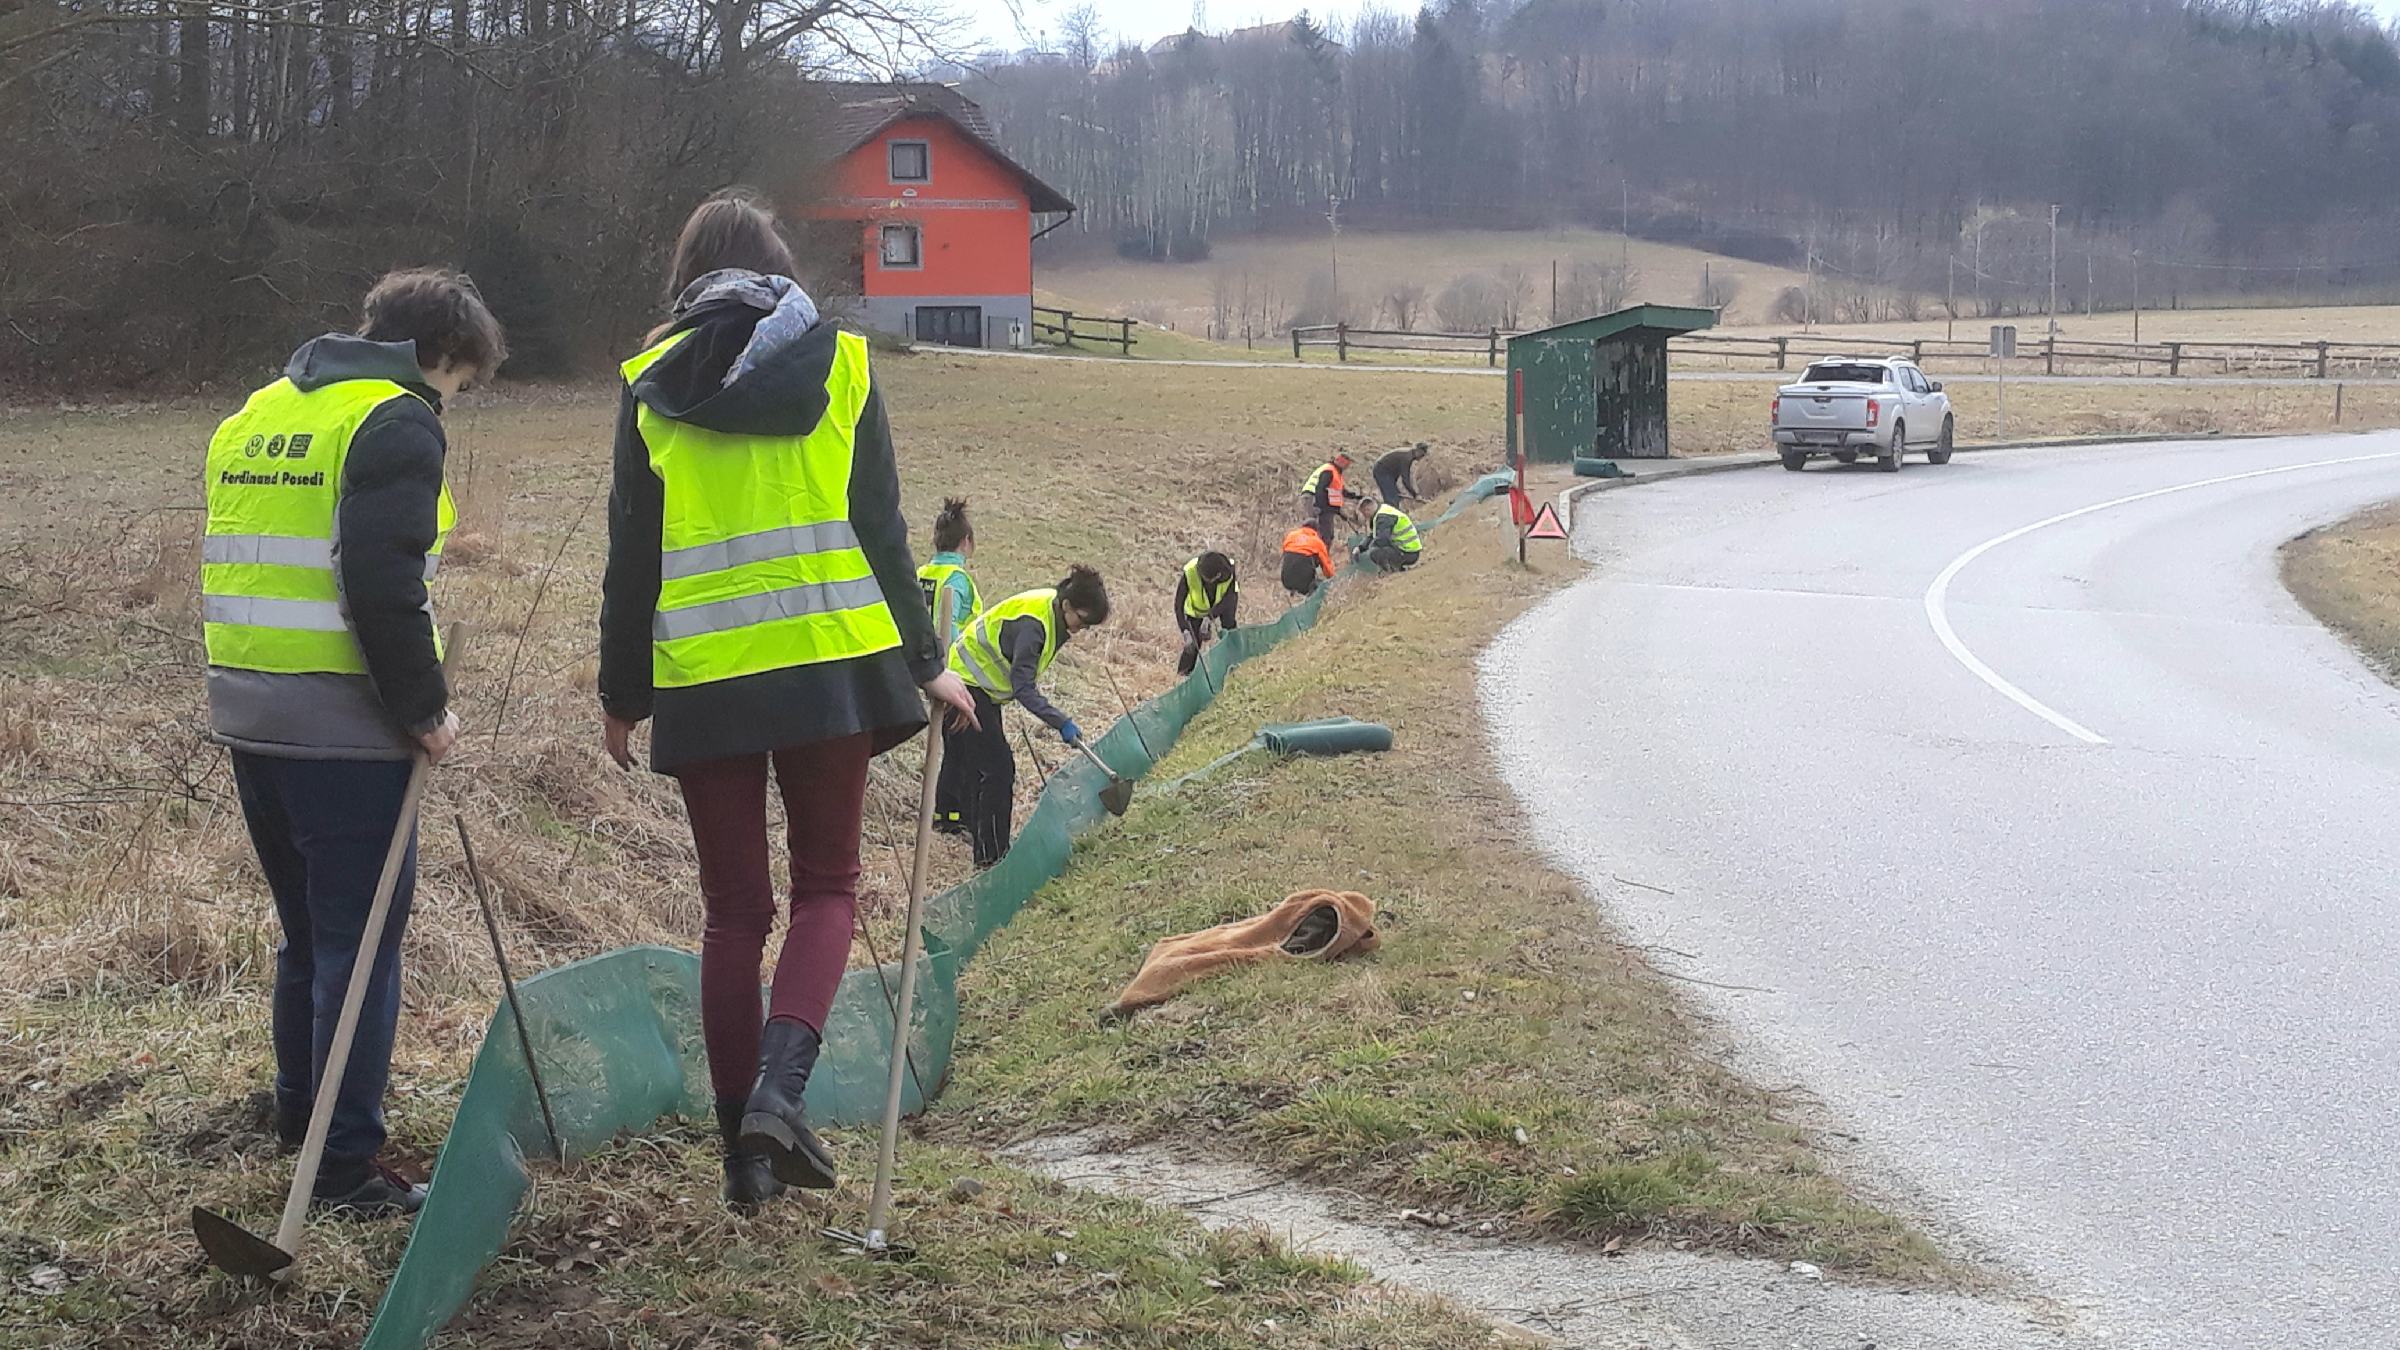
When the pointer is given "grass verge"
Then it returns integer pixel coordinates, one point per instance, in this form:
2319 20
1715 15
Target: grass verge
2348 575
1501 1058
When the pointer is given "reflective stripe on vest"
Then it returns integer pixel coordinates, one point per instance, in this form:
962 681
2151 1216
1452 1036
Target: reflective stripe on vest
1404 530
1308 485
759 568
269 598
976 656
1197 599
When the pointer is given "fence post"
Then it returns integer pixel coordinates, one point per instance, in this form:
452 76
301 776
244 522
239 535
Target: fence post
1341 341
1066 326
1295 344
2321 345
2049 356
1783 348
1125 336
1491 355
2174 360
2337 405
1916 351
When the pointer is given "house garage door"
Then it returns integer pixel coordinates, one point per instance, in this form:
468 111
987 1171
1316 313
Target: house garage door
950 325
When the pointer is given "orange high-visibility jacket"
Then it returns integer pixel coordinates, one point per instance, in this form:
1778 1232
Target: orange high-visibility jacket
1306 541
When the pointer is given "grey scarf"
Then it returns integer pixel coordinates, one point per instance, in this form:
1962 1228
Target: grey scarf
789 311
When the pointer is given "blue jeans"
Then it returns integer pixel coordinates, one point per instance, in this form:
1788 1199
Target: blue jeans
321 827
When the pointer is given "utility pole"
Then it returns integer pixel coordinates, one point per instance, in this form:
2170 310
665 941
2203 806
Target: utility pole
2087 283
1808 312
1554 290
1625 230
1979 309
1950 303
2054 269
2137 299
1333 217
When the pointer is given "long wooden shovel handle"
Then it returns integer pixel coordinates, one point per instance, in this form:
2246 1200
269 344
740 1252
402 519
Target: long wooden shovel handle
337 1055
888 1153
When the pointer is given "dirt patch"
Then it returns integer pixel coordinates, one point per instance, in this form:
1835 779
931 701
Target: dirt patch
241 1127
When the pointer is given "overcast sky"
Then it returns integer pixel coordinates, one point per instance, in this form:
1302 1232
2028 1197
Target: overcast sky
1146 20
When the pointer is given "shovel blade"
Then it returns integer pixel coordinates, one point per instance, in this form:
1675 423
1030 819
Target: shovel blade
1117 796
235 1249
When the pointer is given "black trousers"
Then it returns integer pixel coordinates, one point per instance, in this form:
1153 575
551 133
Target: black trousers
1300 573
1391 559
1388 486
987 780
950 789
1195 630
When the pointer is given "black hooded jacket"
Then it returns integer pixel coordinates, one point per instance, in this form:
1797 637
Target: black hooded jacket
782 394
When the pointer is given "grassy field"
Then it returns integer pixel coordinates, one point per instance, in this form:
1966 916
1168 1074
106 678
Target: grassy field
138 943
1374 263
2333 323
2348 575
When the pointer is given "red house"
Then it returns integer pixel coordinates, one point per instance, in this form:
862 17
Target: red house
946 221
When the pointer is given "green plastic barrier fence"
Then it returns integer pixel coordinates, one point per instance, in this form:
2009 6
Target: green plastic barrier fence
618 1035
1325 736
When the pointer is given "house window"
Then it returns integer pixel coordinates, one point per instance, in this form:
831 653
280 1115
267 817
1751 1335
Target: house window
902 246
912 162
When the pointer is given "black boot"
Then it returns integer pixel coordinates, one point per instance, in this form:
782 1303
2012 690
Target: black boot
772 1123
749 1182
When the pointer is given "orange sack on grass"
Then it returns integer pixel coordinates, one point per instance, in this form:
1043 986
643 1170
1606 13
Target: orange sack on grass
1306 926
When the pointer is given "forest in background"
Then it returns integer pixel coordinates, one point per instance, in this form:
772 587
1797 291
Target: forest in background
187 184
1901 150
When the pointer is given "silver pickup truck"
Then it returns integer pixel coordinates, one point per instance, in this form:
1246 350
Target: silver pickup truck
1881 407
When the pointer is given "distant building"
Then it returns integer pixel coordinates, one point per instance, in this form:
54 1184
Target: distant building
946 219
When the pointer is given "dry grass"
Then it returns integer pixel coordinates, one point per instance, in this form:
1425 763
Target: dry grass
138 942
2332 323
2348 575
1501 1058
1374 262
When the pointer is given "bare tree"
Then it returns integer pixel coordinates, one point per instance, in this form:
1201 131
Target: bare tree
1403 303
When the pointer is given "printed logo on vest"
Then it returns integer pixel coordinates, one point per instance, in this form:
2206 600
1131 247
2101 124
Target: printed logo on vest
298 449
275 447
252 449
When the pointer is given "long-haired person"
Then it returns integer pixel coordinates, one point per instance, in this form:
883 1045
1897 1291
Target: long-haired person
760 609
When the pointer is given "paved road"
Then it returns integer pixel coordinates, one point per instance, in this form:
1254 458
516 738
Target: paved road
2082 918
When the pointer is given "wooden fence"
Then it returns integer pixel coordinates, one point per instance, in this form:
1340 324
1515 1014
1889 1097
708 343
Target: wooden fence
1060 326
2314 360
1344 339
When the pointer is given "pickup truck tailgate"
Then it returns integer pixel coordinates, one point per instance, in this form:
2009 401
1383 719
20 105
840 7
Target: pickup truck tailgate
1806 411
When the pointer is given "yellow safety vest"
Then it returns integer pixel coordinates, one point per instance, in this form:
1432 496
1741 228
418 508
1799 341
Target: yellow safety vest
976 656
1404 530
1197 600
269 600
932 578
759 568
1308 485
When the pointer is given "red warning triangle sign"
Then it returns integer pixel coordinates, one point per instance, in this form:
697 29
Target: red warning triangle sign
1545 525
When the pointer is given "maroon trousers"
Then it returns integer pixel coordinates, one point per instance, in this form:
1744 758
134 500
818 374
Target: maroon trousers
824 788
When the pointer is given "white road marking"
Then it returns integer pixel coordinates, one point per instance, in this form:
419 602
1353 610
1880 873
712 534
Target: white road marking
1937 596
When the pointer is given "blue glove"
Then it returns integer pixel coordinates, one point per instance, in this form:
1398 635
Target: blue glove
1071 733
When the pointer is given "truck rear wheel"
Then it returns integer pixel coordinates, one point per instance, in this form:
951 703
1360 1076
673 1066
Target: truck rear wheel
1795 460
1889 460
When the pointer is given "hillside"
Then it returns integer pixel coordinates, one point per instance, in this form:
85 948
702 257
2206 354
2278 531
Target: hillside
1373 265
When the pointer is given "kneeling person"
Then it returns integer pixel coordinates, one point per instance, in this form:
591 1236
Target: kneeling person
1395 544
1305 560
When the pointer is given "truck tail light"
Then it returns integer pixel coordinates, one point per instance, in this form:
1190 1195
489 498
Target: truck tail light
1775 409
1874 411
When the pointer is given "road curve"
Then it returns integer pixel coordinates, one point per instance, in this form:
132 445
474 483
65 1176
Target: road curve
2122 1007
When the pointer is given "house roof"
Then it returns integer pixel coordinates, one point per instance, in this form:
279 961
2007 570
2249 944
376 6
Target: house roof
1670 320
862 110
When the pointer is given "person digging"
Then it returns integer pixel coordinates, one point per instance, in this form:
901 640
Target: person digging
1205 593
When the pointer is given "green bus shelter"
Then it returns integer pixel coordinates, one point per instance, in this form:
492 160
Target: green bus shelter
1595 388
